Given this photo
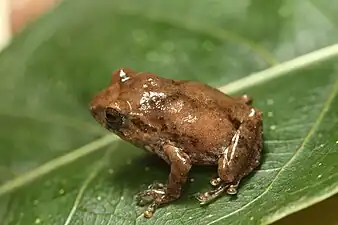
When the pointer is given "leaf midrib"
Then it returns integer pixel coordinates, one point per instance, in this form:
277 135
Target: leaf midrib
56 163
249 81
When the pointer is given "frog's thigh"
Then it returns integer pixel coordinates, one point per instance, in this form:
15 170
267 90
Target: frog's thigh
243 153
180 166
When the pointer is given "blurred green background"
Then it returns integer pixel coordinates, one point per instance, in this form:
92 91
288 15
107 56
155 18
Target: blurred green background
58 166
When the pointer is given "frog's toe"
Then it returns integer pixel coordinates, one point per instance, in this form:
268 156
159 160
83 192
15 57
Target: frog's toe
232 190
156 185
150 210
210 196
216 181
144 198
153 197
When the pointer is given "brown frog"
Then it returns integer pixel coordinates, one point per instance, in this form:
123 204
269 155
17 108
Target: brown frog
185 123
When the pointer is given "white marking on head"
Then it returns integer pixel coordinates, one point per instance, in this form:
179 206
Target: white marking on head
123 76
252 113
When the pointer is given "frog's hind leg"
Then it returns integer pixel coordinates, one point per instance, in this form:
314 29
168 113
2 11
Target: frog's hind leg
238 159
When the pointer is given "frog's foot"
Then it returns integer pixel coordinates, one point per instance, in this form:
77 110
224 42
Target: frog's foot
221 187
215 182
209 196
232 190
156 185
147 196
154 196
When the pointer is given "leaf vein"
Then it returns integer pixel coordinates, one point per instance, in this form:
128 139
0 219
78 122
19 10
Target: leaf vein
305 141
83 188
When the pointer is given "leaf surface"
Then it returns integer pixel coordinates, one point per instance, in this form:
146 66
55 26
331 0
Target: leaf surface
58 166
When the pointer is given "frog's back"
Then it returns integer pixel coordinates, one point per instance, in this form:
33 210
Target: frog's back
212 97
198 124
197 117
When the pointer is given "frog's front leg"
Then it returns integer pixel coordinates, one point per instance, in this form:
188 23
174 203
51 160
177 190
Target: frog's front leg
239 158
161 194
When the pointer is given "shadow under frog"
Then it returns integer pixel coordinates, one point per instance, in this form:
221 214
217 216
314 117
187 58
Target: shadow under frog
146 168
185 123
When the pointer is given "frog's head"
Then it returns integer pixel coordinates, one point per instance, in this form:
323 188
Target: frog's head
113 106
104 98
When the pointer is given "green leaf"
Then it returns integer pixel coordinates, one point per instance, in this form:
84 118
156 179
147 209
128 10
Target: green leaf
58 166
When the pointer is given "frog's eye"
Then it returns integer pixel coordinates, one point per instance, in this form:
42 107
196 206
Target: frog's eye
114 119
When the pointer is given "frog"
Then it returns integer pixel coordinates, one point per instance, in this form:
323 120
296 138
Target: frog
185 123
